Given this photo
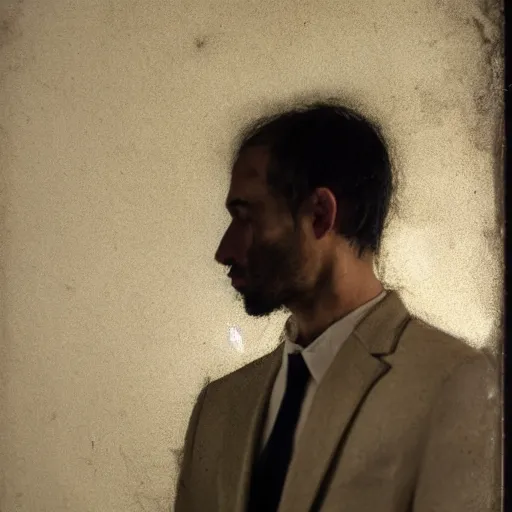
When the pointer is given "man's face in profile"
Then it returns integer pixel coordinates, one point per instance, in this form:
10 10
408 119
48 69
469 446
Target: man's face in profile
264 250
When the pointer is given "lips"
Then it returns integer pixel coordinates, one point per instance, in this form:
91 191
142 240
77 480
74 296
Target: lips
236 280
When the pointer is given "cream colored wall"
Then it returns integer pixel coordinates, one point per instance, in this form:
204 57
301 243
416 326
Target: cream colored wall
116 126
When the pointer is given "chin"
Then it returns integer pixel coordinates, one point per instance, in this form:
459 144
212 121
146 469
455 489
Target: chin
257 307
258 312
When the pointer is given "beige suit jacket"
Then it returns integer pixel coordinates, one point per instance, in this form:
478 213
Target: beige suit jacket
406 419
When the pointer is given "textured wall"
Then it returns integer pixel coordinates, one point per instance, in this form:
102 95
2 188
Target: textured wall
115 131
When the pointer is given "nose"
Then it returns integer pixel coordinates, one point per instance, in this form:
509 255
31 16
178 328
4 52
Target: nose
224 254
229 252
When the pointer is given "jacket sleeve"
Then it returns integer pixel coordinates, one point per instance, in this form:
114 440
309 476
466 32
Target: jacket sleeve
459 471
184 501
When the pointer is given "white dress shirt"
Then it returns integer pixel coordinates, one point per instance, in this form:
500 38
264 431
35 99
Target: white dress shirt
318 356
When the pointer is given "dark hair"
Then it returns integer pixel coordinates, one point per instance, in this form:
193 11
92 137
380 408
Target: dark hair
326 145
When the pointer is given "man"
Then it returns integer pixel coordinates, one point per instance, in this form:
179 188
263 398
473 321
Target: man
361 407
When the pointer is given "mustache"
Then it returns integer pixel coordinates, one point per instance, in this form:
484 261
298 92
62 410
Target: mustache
235 273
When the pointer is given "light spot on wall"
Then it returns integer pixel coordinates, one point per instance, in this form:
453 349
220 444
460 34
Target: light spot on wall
235 338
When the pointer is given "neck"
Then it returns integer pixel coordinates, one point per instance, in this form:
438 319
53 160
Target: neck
333 304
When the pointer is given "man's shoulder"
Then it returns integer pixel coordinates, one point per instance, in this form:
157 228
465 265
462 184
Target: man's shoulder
422 332
244 374
432 346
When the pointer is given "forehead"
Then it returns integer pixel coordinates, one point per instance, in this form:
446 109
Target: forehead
248 176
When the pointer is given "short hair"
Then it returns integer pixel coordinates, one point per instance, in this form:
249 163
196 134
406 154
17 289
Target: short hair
332 146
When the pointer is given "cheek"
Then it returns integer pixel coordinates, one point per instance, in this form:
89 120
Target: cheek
249 237
243 236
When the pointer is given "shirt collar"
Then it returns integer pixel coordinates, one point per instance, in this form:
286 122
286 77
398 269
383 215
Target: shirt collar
319 354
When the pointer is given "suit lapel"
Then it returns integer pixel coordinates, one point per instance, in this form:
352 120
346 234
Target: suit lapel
335 403
355 370
243 432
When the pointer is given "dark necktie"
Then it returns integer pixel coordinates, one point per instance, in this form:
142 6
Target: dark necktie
270 471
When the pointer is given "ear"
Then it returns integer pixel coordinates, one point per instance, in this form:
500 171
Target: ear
324 210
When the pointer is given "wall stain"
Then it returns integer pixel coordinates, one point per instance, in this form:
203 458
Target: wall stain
479 25
481 29
492 10
482 78
9 26
490 67
200 42
489 27
487 97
